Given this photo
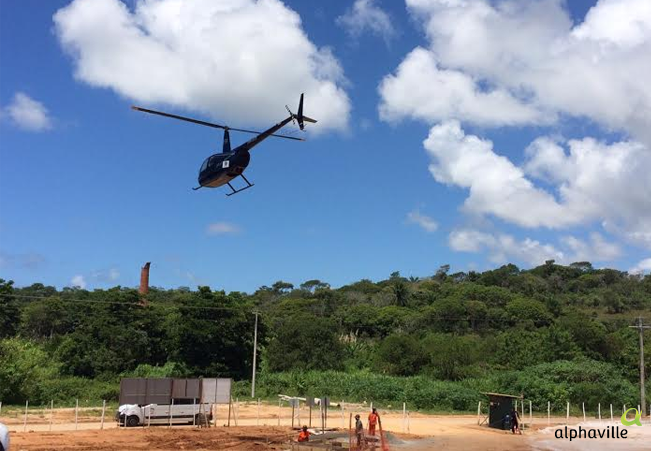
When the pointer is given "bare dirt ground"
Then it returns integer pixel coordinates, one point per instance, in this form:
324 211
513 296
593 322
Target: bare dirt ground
245 438
269 428
255 430
235 438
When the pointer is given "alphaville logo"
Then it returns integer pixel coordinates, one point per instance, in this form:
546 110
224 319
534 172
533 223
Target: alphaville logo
637 420
611 432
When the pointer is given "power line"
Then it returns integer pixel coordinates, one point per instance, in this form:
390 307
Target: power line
199 307
127 304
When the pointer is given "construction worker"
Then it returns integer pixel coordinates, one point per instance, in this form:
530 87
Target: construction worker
515 421
359 432
304 435
373 418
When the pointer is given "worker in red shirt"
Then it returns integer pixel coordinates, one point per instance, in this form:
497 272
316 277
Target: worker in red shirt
304 435
373 418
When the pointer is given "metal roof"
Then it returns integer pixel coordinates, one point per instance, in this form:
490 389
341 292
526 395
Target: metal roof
504 396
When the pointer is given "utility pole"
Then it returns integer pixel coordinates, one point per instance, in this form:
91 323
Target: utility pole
255 353
640 327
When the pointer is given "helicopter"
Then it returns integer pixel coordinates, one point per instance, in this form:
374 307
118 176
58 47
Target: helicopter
221 168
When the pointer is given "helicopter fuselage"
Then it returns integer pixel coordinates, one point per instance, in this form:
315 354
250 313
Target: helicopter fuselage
221 168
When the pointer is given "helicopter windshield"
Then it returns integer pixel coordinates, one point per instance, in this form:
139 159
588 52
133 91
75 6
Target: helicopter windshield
204 166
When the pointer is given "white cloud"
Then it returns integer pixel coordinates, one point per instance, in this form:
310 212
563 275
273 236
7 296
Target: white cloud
598 249
423 221
222 228
502 248
495 184
622 23
497 63
236 60
28 114
470 240
592 181
364 16
113 274
106 275
422 90
642 267
597 181
534 54
78 281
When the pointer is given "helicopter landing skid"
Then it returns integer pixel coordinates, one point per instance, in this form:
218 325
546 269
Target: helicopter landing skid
198 187
235 191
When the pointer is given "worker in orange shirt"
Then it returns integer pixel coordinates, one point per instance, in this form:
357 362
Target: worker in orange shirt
304 435
373 418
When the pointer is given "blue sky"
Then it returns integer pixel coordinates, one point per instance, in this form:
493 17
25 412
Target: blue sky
90 190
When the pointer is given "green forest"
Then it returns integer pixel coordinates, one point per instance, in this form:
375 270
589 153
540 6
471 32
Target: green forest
555 333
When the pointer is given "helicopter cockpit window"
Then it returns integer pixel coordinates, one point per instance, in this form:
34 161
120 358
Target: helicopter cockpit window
204 166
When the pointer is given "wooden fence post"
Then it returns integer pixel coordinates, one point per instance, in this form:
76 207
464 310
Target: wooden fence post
567 418
478 413
298 412
76 413
583 407
25 420
51 412
549 413
321 407
103 412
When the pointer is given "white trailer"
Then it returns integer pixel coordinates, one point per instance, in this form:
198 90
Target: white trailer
145 401
183 411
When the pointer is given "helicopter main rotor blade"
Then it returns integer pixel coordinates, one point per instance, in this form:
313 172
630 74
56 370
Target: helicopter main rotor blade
207 124
181 118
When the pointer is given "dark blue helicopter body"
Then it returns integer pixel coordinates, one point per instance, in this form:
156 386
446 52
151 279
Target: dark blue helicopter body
221 168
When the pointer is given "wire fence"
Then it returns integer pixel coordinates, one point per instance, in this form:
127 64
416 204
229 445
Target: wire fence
100 415
568 414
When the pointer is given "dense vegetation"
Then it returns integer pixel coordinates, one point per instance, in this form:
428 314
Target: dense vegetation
556 333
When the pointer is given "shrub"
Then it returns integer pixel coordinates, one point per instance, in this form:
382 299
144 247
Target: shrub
400 355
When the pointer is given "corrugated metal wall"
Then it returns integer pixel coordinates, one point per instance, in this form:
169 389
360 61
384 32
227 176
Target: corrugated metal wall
143 391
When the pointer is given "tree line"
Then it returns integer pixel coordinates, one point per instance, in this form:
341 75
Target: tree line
497 327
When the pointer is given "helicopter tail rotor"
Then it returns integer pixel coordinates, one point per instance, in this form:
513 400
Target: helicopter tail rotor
300 117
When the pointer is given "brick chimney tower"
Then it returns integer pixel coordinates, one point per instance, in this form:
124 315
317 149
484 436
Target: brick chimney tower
144 280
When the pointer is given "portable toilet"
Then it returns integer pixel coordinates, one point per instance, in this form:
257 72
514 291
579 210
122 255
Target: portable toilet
500 406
